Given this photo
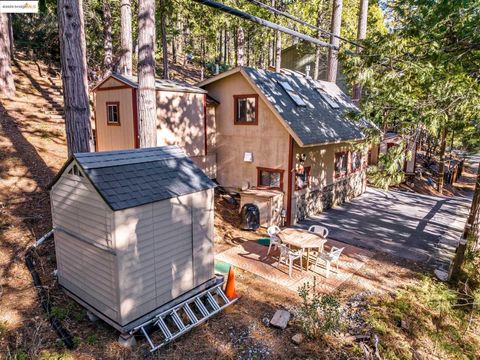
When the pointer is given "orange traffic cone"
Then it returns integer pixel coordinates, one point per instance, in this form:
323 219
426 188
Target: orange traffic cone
230 287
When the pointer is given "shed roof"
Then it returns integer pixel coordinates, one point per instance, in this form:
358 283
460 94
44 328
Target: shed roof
130 178
160 84
313 123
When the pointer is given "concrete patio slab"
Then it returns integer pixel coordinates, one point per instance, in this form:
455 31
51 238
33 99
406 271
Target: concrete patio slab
416 227
252 257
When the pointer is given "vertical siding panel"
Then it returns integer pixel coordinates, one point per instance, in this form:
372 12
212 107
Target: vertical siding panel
203 236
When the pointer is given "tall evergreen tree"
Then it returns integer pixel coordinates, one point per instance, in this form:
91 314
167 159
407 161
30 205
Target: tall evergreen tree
7 86
147 106
126 37
74 75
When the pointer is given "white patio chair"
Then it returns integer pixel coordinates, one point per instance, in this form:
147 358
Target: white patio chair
289 256
330 258
320 230
272 232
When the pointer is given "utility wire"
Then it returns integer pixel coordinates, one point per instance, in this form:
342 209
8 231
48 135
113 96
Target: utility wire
263 22
291 17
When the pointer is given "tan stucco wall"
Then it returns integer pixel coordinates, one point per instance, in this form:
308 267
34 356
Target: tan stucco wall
180 121
268 141
113 137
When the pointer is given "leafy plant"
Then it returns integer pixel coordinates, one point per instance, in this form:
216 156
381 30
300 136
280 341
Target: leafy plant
318 314
389 171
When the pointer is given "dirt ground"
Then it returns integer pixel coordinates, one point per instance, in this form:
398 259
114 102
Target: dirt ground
32 150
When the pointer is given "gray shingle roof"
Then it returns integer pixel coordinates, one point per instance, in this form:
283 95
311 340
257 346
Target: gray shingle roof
129 178
161 84
317 122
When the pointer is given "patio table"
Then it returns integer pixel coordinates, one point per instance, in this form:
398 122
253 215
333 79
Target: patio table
302 239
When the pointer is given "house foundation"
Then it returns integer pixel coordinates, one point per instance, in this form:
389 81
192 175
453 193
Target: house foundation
311 202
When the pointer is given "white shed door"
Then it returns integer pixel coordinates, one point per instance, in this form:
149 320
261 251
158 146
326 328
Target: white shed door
173 248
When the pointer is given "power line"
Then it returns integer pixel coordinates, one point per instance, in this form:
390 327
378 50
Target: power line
263 22
291 17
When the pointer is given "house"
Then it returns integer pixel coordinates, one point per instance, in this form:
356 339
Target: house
185 117
133 231
286 133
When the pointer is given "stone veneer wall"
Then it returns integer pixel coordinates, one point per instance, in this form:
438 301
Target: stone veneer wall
311 202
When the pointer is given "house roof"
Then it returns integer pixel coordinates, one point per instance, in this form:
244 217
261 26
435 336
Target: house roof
160 84
313 124
130 178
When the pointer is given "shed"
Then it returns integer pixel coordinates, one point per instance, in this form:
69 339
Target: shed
185 117
133 231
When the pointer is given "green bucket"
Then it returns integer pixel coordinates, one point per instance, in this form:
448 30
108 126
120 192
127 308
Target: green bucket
221 267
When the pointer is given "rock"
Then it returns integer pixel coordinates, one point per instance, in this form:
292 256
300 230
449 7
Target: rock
265 321
91 316
127 341
280 319
441 275
405 324
297 339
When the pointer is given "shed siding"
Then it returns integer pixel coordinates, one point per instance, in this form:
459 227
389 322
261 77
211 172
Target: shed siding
156 246
83 243
203 236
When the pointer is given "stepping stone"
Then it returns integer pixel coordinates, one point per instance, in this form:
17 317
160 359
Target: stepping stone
280 319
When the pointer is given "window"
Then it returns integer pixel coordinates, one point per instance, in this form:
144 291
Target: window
329 100
246 109
113 113
302 178
74 170
341 164
292 93
269 178
356 160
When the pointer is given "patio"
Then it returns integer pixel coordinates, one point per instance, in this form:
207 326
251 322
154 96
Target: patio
252 256
411 226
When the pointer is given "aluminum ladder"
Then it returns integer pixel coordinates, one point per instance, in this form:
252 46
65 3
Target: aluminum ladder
181 318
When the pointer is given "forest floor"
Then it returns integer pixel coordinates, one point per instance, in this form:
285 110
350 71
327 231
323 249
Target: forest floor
32 150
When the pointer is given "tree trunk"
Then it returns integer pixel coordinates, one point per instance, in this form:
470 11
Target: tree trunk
225 46
107 37
126 38
441 163
240 47
318 53
174 50
7 86
332 61
278 52
74 76
220 46
10 35
361 35
163 26
271 58
147 106
248 48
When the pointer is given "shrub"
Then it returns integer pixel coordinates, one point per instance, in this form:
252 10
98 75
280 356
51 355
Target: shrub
318 314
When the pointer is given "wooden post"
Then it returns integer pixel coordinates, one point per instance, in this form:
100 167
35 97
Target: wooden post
126 38
332 61
147 105
74 76
361 35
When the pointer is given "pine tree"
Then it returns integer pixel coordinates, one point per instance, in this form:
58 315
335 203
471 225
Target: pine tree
7 86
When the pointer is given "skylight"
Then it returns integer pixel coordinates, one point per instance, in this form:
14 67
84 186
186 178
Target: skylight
333 104
292 93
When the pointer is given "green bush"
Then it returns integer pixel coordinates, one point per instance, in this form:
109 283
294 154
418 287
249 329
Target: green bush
318 314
